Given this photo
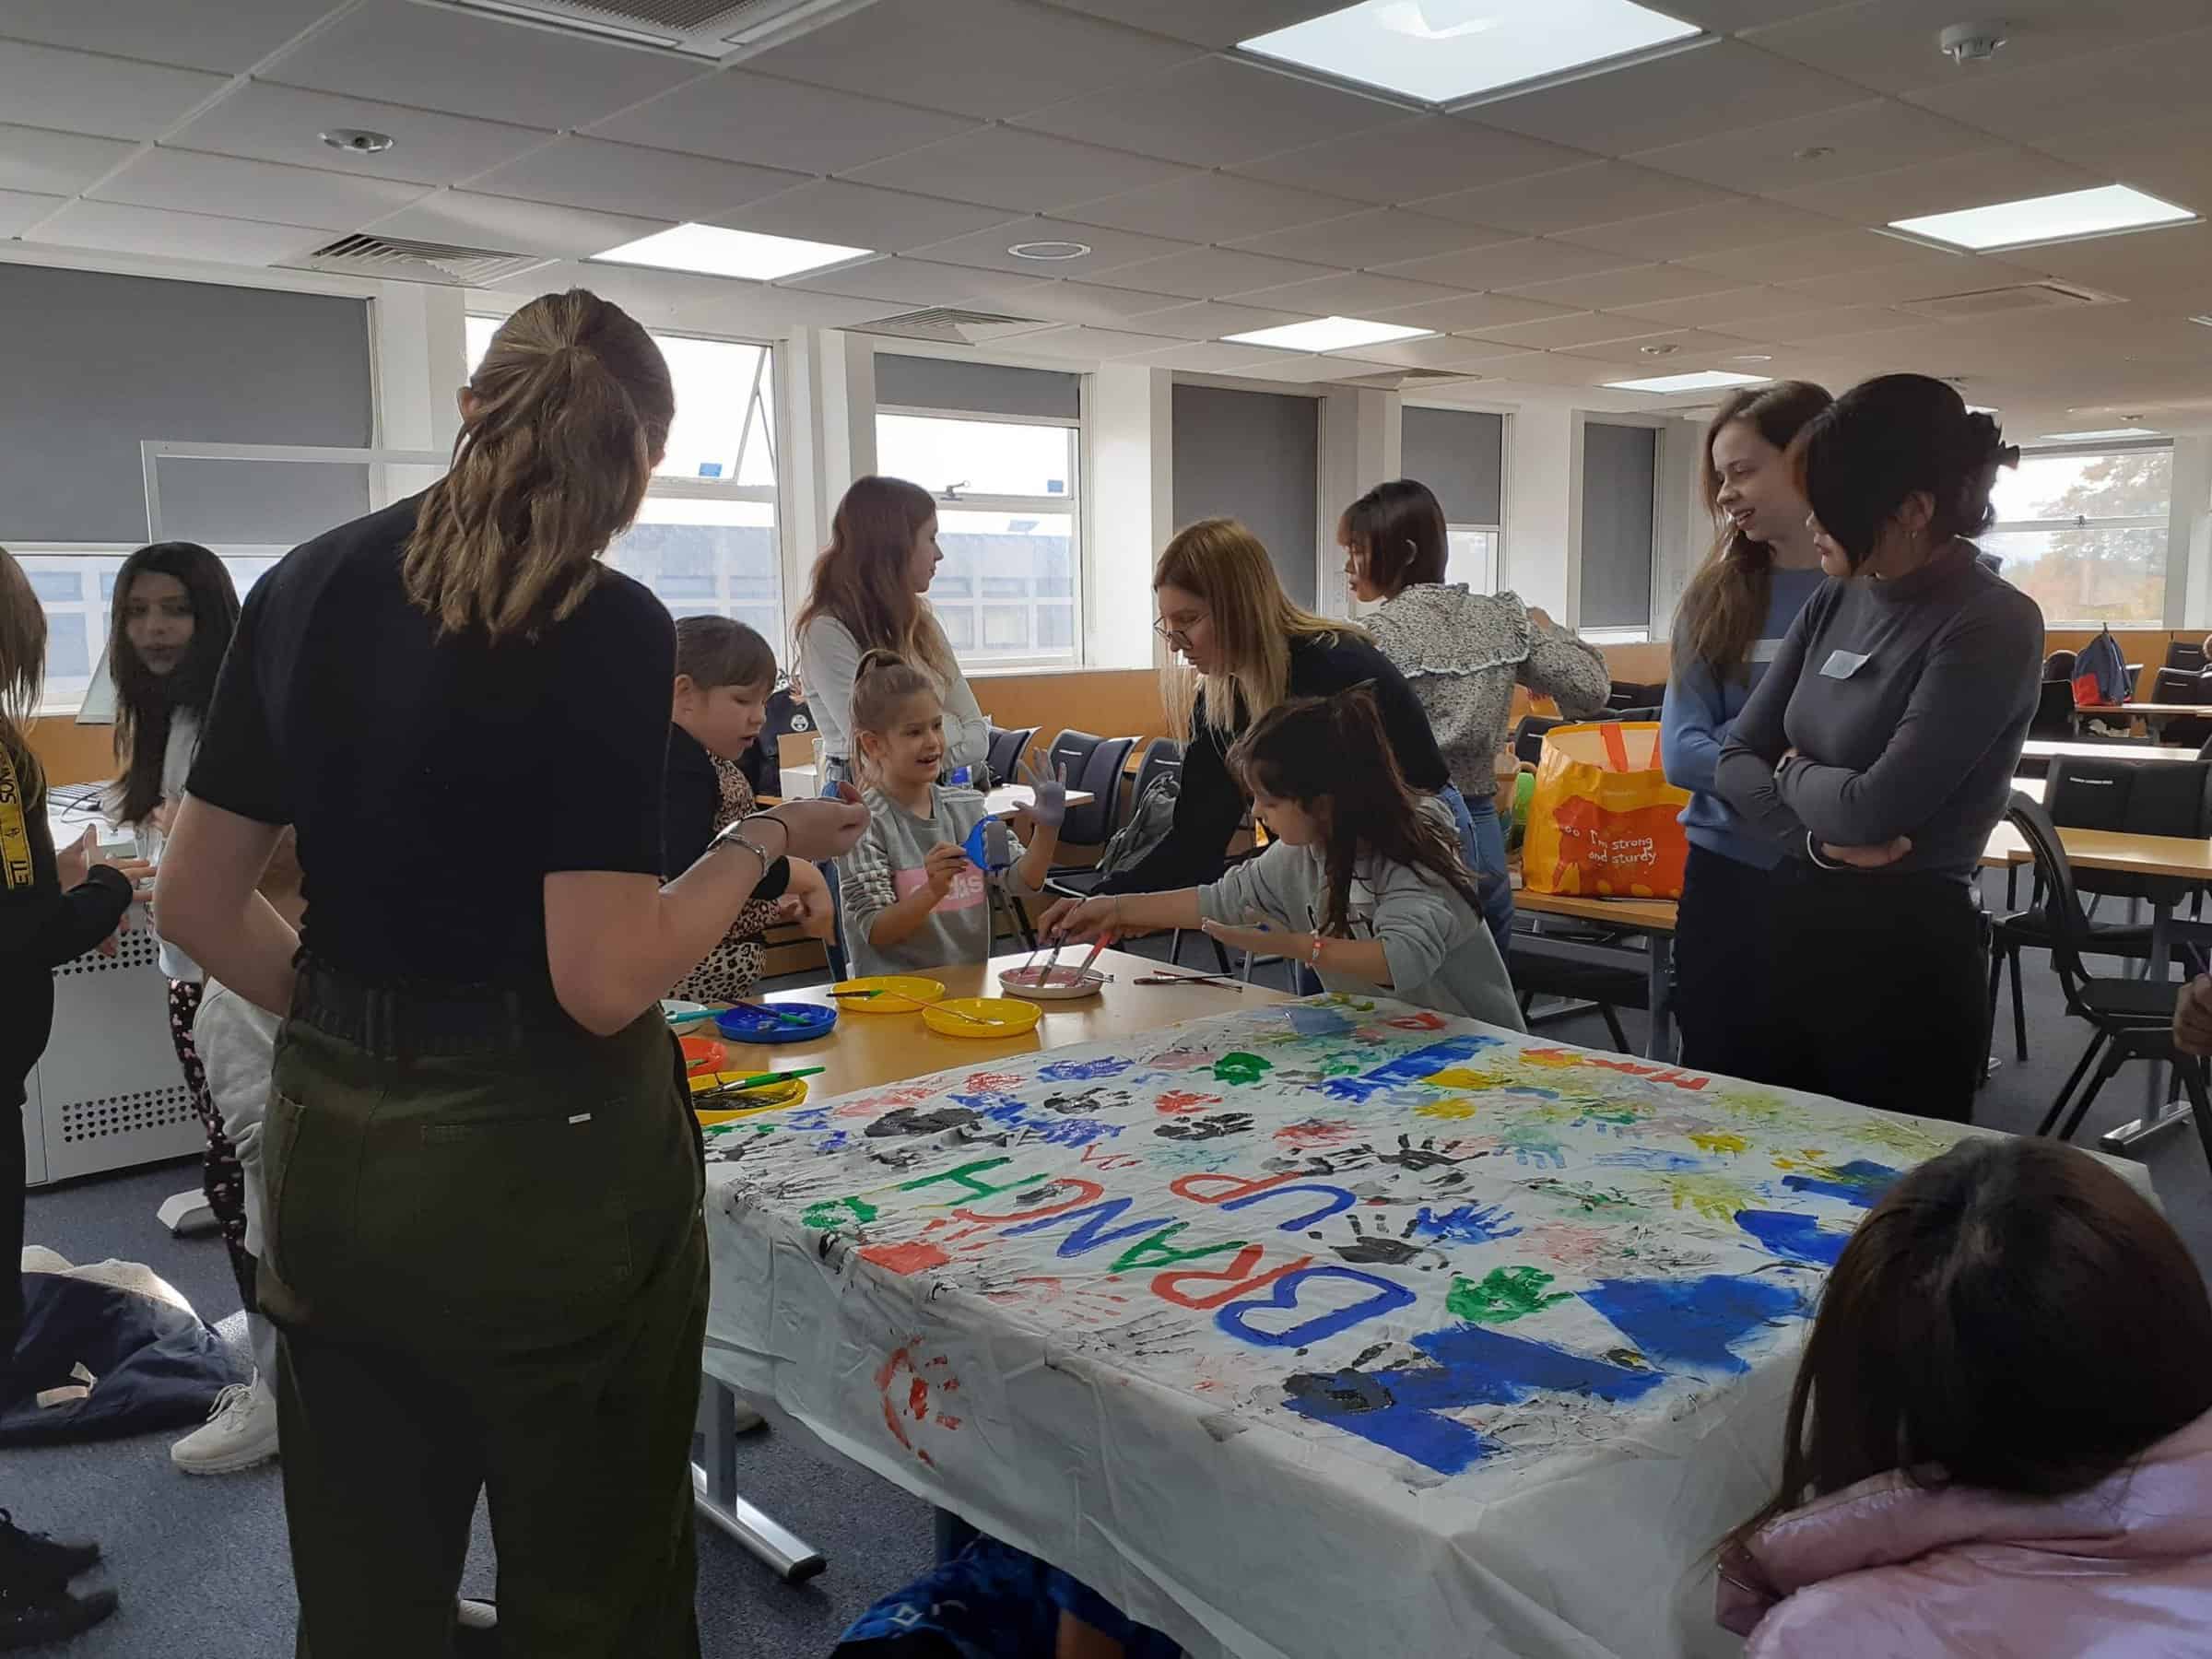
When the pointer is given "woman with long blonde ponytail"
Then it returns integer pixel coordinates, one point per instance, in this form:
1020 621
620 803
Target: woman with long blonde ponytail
483 1244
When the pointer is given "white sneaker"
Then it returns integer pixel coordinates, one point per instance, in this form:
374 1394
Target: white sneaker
240 1431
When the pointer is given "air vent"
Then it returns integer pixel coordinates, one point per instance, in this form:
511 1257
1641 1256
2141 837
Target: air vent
2006 301
724 31
1391 379
948 325
395 259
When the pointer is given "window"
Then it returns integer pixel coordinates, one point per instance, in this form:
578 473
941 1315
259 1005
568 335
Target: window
2083 532
706 540
1000 449
1460 455
1620 470
75 585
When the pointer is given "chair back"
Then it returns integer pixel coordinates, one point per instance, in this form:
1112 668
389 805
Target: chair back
1163 758
1004 757
2053 711
2188 658
1634 694
1528 738
2135 797
2068 929
1094 764
2059 665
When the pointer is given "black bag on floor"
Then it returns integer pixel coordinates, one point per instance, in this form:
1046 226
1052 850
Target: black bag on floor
152 1363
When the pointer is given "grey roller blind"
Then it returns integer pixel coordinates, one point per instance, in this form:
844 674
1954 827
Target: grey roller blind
1619 472
916 383
91 363
1255 456
1460 454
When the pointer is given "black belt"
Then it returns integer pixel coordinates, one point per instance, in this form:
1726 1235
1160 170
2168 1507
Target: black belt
409 1018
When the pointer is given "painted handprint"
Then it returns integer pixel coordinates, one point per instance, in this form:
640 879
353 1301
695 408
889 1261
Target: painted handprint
1210 1127
1378 1247
1533 1145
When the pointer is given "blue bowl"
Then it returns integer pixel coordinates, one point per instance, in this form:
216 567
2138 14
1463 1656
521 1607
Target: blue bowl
746 1025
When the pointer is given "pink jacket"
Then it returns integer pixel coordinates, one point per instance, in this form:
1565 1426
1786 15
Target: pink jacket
1886 1570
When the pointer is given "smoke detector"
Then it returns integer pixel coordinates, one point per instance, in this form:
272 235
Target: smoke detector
1966 43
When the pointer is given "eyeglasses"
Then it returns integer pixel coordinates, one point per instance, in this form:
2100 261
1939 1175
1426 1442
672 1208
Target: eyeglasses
1179 634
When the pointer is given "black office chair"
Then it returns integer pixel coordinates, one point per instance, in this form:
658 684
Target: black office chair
2138 797
2129 1019
2190 659
1094 764
2053 712
1633 694
2059 665
1163 758
1528 738
1004 757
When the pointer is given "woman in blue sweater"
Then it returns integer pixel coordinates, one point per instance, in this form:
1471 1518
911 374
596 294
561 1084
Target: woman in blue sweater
1762 569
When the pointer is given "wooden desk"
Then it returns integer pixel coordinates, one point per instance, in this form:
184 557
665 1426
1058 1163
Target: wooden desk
2044 749
799 784
867 1050
2153 714
1652 919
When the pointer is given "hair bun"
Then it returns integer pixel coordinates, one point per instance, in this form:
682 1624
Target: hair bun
1985 445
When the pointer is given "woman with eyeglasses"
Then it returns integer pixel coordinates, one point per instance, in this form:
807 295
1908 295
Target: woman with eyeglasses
1242 648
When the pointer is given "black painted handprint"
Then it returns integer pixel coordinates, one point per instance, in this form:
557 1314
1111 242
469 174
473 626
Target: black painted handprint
1210 1127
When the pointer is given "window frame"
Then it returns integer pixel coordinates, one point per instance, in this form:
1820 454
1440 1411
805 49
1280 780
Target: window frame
2162 520
1505 479
1652 628
1072 506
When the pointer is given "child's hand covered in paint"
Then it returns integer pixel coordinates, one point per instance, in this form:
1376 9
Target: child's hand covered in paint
1080 918
1259 937
1051 806
941 866
2193 1017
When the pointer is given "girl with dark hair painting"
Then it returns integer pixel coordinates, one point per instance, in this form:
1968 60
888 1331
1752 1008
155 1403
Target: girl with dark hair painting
1461 652
485 1257
1762 569
1879 750
1998 1442
1363 882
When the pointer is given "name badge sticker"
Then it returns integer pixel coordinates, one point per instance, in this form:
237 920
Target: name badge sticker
1842 664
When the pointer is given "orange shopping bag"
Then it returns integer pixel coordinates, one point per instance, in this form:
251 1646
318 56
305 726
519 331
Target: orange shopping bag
1602 821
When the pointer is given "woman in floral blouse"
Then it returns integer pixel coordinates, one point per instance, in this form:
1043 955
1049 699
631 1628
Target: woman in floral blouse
1463 653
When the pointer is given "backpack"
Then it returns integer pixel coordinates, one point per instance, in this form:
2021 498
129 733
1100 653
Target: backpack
1150 821
2099 672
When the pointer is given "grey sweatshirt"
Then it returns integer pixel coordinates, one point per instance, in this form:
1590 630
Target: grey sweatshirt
886 865
1906 703
1439 950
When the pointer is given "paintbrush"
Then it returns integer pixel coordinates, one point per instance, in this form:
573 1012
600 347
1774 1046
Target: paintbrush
877 991
963 1014
784 1014
731 1083
1164 978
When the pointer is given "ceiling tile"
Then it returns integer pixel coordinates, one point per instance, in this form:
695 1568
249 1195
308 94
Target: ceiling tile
19 210
1347 294
1216 23
440 58
489 221
1825 324
1595 193
1888 286
986 58
1471 313
1722 309
1004 167
1212 358
1378 237
1715 228
925 282
1890 44
282 124
885 221
1647 354
1511 264
1434 351
1568 330
228 38
1563 369
46 163
175 235
769 122
1213 111
1078 342
1733 17
2174 260
1211 206
1208 273
1211 320
1092 302
112 97
1110 249
1835 253
621 178
1874 136
1426 155
1638 284
1684 95
191 182
1969 181
2033 105
2170 157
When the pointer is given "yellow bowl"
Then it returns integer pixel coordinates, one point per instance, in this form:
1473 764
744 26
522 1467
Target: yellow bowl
987 1016
901 994
756 1100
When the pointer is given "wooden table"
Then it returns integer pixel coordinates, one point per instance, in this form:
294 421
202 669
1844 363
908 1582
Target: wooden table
800 782
2044 749
867 1050
2153 714
1653 919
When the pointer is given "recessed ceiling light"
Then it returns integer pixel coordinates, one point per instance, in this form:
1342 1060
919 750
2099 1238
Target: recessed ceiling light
2204 321
2071 216
358 141
1049 250
713 250
1752 357
1704 380
1326 334
1814 152
2107 432
1981 408
1442 51
1658 350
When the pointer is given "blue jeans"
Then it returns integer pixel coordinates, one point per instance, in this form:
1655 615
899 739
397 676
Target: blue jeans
1482 844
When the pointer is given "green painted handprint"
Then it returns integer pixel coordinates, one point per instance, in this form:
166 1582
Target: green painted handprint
1241 1068
835 1212
1505 1294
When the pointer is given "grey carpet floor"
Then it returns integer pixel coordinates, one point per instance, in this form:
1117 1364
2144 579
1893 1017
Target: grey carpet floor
201 1564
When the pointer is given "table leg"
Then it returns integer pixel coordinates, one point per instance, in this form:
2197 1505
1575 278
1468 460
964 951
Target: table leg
2156 1120
1659 955
715 1488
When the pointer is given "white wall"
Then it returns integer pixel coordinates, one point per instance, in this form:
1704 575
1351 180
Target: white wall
1538 555
1130 500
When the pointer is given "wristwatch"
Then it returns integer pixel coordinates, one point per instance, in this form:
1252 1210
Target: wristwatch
775 873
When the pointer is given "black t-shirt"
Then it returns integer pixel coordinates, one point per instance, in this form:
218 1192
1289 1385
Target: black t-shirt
1210 804
691 796
435 784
